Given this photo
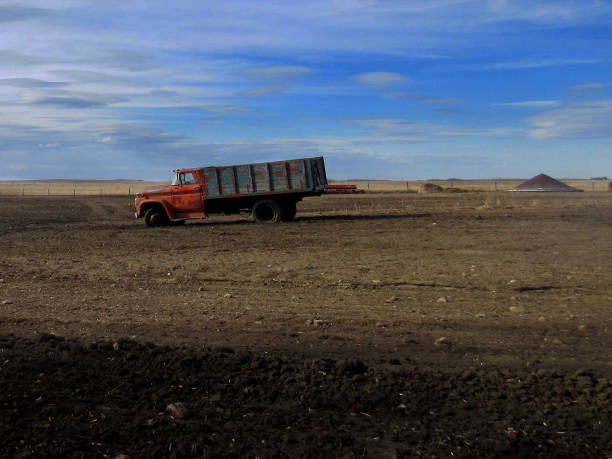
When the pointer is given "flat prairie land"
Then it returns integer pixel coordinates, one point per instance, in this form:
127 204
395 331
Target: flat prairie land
73 187
387 186
377 325
127 187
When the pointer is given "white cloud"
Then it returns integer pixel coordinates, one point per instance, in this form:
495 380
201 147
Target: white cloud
29 83
226 109
590 86
14 13
275 72
546 11
537 63
380 78
68 99
530 103
399 129
590 119
424 98
262 91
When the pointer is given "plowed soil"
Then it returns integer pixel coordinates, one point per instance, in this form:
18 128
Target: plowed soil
377 325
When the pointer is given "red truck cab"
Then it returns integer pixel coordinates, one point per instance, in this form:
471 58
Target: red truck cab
180 200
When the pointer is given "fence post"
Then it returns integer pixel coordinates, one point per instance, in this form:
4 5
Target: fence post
48 192
495 183
74 192
407 187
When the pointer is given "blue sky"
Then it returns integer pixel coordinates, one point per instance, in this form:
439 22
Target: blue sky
383 89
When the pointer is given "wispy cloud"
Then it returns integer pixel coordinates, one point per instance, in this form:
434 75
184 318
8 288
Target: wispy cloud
68 102
530 103
129 59
380 78
163 93
546 11
590 86
19 13
589 119
537 63
285 72
30 83
69 99
78 76
11 58
262 91
424 98
408 130
449 111
226 109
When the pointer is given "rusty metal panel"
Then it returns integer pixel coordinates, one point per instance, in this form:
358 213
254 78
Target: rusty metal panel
297 175
243 180
318 178
262 178
279 177
211 182
226 175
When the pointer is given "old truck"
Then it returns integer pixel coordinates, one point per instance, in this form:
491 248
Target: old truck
270 191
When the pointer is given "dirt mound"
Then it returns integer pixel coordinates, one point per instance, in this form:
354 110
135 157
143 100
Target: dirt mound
430 188
543 182
60 398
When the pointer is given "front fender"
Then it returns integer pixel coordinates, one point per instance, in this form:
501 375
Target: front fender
141 207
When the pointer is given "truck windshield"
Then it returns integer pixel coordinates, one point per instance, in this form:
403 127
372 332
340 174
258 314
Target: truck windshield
174 180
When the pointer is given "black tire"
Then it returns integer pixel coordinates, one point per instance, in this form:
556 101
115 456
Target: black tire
155 216
266 211
289 210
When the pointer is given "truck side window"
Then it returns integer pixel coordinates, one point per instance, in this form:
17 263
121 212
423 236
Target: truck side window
187 178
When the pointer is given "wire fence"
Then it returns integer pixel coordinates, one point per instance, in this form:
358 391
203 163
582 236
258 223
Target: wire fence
18 188
397 186
91 188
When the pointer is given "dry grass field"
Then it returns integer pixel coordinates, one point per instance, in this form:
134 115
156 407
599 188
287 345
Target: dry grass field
386 186
374 325
126 187
73 187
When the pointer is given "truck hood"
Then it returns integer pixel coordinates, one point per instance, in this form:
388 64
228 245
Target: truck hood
156 190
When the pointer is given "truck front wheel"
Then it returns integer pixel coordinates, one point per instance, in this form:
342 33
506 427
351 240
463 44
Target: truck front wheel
155 216
266 211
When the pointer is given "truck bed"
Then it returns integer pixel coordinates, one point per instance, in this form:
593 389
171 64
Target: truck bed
303 176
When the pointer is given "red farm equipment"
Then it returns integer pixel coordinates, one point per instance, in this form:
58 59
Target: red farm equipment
342 189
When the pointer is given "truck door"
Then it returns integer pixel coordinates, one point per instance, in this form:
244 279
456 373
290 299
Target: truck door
187 194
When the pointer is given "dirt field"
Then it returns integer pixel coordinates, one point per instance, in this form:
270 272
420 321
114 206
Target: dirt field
376 325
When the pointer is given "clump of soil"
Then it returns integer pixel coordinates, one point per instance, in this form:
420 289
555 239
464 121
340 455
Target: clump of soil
60 398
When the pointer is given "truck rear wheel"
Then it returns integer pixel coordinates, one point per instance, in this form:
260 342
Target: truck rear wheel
266 211
289 210
155 216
